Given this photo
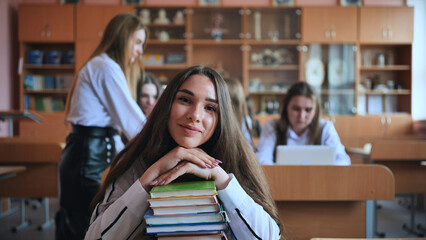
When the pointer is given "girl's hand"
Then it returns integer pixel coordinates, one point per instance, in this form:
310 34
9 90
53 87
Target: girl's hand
195 155
217 174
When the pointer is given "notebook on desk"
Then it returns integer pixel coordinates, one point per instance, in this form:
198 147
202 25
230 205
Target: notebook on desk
305 155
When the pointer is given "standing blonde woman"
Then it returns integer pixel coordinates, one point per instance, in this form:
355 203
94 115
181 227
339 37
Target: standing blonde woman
191 126
99 104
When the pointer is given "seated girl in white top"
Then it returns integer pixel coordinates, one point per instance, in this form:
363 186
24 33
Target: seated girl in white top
190 127
299 124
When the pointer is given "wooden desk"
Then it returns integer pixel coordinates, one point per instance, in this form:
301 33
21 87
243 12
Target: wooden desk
403 157
16 114
10 171
327 201
40 157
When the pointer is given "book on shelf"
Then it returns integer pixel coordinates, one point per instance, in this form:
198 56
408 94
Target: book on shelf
48 104
214 217
189 209
184 189
186 228
47 82
182 201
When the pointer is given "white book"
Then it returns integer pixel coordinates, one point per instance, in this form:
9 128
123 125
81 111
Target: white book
190 209
186 228
167 202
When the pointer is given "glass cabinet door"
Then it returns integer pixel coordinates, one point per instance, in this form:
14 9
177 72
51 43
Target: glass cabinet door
216 24
273 24
330 69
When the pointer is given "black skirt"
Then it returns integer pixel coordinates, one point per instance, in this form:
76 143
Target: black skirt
88 152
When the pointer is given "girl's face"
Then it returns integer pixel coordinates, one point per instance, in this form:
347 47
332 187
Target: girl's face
301 111
148 98
136 44
194 113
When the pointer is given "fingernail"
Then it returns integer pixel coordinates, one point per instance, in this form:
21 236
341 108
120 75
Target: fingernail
153 182
208 165
162 182
217 160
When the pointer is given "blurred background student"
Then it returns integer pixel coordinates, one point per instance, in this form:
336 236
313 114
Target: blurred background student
300 123
239 106
99 104
148 91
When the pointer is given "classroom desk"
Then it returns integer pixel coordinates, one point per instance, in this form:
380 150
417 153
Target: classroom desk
40 157
10 171
404 157
15 114
327 201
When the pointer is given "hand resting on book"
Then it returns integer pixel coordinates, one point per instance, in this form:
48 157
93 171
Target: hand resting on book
180 161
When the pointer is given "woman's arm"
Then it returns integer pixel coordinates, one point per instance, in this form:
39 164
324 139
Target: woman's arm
266 144
248 220
331 138
120 215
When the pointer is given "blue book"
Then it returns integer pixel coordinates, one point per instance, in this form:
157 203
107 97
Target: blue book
186 228
28 82
216 217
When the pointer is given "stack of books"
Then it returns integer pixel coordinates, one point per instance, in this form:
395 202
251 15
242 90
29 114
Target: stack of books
186 210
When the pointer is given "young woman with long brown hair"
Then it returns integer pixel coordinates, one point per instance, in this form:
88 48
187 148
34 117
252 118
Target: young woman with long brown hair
99 104
191 126
300 123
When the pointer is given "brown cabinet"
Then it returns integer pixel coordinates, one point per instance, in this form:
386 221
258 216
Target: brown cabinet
386 25
267 59
46 23
329 24
91 22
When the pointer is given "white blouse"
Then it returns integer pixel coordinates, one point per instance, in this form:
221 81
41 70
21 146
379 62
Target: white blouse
101 98
267 141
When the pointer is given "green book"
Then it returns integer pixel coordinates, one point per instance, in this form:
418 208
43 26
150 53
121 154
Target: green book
184 189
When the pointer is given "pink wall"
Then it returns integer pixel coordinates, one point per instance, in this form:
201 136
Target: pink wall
8 57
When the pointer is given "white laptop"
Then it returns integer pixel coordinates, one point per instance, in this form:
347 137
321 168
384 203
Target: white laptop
305 155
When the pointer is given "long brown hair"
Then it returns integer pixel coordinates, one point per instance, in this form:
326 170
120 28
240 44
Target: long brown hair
298 89
227 143
115 41
147 78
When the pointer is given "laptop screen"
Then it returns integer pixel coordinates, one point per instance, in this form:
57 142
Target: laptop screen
305 155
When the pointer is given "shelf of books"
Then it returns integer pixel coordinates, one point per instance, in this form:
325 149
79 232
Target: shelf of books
47 73
188 210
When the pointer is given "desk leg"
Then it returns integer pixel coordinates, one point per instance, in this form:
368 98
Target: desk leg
24 223
370 218
47 221
6 206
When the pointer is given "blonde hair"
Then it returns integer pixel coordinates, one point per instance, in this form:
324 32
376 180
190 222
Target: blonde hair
115 44
239 105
